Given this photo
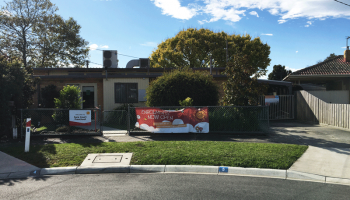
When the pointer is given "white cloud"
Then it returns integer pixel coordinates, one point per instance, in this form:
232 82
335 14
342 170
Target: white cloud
308 23
93 47
233 10
268 34
254 13
281 21
230 24
296 51
292 69
149 44
202 21
217 11
343 47
174 9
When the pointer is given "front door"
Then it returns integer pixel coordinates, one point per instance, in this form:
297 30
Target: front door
88 97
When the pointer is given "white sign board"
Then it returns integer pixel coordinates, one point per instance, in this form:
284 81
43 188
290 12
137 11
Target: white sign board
79 117
271 99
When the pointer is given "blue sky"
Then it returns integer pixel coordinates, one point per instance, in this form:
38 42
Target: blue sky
299 32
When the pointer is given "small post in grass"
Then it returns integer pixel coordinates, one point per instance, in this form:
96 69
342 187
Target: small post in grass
27 143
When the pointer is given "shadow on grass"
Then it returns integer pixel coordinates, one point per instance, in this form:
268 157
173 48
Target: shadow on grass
199 136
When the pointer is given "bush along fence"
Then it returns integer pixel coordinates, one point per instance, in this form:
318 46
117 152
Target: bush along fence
217 119
49 121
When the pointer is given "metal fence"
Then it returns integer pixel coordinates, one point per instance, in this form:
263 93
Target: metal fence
55 122
283 109
222 119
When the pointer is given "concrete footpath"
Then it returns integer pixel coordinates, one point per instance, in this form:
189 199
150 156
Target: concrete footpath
326 160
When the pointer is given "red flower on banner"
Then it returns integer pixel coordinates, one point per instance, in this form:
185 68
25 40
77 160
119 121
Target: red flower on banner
199 129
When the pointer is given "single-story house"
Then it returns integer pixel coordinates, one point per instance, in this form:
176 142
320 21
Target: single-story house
330 75
118 86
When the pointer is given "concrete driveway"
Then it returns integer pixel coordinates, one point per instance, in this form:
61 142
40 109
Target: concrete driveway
293 132
329 147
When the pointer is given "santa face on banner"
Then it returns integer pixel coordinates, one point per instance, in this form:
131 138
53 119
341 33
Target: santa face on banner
188 120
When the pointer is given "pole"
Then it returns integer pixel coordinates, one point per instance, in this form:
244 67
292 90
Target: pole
27 141
14 128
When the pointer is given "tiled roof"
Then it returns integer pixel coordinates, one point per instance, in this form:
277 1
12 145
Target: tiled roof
335 66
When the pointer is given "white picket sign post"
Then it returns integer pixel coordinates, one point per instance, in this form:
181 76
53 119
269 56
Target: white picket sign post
27 143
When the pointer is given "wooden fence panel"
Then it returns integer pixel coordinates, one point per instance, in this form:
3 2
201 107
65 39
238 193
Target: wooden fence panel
312 109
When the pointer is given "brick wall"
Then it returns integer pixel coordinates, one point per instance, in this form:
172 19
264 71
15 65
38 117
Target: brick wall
63 82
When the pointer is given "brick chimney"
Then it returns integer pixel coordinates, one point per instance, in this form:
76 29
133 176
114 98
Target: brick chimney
347 55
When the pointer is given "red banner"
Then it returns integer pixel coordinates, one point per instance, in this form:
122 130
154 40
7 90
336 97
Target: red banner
164 121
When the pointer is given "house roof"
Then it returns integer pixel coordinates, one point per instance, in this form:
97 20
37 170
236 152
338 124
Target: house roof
335 66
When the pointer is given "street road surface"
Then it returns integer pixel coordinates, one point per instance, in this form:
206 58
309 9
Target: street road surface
166 186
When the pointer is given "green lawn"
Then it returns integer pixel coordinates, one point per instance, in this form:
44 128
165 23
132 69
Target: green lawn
255 155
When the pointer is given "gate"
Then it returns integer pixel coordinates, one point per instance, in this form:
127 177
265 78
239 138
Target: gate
114 121
281 107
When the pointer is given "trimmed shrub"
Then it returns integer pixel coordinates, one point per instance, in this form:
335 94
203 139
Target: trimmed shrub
175 86
69 99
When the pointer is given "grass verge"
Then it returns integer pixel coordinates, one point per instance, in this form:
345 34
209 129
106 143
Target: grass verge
255 155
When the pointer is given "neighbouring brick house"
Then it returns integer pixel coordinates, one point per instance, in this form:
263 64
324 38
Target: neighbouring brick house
119 85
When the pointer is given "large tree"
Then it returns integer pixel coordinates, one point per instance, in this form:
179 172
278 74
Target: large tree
279 72
16 85
193 48
31 30
241 87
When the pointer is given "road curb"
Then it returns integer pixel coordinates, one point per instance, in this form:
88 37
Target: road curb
24 174
342 181
147 168
275 173
294 175
180 169
96 170
191 169
58 170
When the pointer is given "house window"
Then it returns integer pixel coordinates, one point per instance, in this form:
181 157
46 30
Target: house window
125 92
